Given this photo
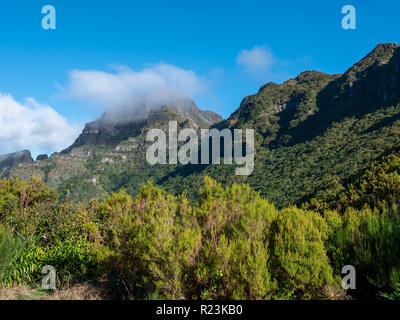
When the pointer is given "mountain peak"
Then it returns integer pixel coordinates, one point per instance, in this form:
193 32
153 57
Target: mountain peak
116 125
386 46
375 77
382 54
310 75
11 160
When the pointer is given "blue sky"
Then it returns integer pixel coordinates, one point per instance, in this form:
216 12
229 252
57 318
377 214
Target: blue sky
205 39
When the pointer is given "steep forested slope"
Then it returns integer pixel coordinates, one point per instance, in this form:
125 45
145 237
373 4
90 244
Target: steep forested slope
312 132
318 130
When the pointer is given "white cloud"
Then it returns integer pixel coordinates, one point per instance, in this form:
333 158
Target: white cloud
160 83
33 126
257 60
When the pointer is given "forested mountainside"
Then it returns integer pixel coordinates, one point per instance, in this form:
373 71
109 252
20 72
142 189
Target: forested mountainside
316 130
313 131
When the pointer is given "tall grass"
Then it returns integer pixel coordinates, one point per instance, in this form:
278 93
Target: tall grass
11 246
379 249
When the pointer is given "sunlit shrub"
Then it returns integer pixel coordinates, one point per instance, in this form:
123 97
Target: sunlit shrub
298 256
233 262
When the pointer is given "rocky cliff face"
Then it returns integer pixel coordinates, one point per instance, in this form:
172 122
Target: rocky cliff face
118 125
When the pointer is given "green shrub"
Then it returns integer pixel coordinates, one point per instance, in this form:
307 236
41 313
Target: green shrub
154 242
73 259
368 240
298 256
233 262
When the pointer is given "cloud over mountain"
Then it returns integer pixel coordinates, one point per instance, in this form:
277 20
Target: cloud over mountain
155 85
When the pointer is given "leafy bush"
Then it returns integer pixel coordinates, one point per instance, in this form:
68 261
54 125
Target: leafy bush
298 255
233 262
154 241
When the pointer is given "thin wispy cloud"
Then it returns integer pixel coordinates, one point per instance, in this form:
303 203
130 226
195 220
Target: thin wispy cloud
263 65
257 60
